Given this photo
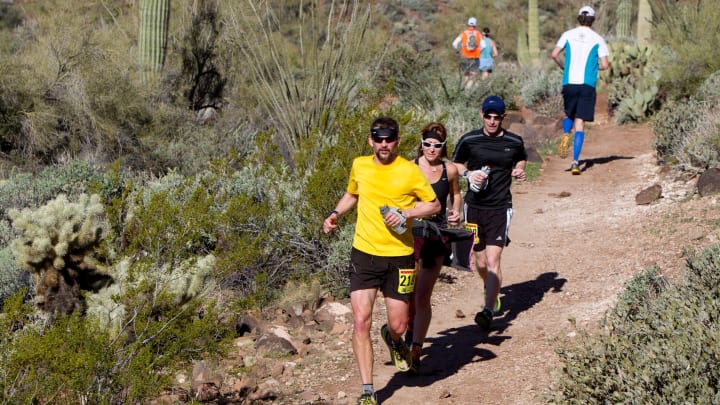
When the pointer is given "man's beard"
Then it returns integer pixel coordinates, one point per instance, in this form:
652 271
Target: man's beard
388 159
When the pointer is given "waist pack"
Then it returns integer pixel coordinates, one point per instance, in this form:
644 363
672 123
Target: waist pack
461 242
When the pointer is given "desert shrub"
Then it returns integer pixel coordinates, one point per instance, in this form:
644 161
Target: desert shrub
10 17
423 7
24 189
710 89
683 68
687 134
152 299
301 66
543 92
12 277
76 360
642 287
410 74
664 351
459 108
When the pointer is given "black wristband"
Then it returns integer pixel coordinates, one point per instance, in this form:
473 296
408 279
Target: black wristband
334 212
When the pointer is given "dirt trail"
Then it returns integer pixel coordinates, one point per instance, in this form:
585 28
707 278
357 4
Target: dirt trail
574 245
576 240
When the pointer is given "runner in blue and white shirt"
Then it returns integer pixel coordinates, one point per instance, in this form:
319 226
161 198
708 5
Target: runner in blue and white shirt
586 53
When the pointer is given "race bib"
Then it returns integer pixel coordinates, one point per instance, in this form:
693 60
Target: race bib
406 281
474 229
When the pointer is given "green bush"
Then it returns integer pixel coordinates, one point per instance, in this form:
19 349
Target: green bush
665 350
73 360
542 92
153 300
12 277
687 133
684 68
23 189
302 67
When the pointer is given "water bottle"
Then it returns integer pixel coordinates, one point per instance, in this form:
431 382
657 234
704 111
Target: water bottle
402 227
482 186
486 170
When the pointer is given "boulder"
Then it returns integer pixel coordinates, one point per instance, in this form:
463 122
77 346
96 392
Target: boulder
649 195
331 313
276 341
709 182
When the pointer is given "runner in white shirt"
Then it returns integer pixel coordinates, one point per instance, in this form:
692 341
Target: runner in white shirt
586 53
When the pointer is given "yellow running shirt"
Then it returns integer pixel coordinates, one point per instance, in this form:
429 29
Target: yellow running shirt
399 184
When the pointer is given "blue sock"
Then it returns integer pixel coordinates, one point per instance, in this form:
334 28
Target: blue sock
577 144
368 388
567 125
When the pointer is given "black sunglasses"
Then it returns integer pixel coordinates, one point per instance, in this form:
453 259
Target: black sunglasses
495 117
433 145
380 139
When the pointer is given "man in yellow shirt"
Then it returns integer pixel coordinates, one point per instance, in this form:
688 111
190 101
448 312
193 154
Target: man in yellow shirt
389 192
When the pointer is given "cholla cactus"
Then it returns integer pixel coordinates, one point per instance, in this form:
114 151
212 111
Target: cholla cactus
182 283
55 244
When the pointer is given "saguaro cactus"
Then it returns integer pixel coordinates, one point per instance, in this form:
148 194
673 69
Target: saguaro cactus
624 18
522 48
533 32
644 25
152 38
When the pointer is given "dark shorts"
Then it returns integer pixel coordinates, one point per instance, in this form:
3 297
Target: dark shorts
370 271
469 65
579 101
491 227
429 249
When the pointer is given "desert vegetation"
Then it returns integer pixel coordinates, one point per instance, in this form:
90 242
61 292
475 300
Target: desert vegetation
166 164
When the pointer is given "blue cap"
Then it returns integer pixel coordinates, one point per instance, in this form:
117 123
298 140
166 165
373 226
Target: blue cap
493 103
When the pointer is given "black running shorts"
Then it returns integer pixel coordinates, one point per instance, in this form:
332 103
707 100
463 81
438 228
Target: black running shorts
491 227
579 101
389 274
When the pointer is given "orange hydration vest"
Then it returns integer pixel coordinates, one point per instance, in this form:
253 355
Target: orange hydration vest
464 37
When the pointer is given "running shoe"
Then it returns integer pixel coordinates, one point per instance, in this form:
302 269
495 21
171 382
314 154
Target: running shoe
575 168
564 146
484 319
399 353
415 352
498 304
367 399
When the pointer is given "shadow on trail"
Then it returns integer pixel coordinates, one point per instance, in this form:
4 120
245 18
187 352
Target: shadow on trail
452 349
586 164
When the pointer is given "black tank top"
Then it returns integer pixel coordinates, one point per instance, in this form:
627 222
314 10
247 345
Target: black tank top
442 190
